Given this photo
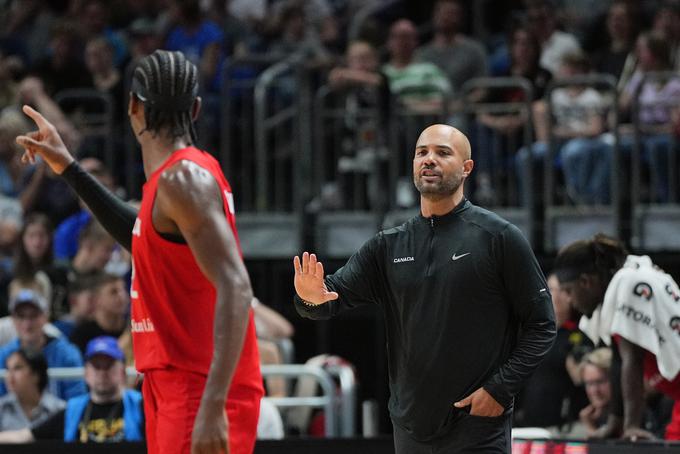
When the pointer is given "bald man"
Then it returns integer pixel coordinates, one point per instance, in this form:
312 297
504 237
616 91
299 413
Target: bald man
466 306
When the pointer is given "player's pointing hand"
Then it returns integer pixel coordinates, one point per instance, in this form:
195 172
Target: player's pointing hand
44 142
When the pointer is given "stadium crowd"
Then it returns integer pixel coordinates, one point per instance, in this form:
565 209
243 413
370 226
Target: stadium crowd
64 281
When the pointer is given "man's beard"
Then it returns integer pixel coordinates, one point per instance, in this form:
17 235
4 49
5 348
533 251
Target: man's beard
441 190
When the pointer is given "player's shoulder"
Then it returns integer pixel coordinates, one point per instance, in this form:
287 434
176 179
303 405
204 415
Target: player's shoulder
486 220
186 176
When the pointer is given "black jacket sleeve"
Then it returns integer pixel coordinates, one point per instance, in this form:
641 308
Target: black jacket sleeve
528 295
116 216
355 283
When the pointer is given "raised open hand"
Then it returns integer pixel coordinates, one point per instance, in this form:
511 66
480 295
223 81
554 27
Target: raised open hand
309 283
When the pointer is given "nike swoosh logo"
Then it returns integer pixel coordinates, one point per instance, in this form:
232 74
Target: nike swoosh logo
456 257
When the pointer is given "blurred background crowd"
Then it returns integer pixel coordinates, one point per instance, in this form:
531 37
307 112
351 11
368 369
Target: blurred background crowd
579 97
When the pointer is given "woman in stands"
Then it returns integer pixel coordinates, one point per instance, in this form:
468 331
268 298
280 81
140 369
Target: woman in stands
34 253
28 403
594 373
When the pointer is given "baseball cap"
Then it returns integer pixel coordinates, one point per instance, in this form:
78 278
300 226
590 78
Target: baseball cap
104 345
28 296
143 26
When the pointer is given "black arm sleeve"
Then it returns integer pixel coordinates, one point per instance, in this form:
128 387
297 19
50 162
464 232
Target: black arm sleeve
116 216
529 297
356 283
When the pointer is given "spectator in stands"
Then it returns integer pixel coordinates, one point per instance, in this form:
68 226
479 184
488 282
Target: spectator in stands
108 413
80 302
10 65
657 110
28 403
197 38
106 77
269 423
297 35
271 328
460 57
507 129
40 283
30 311
555 44
578 114
420 86
144 39
12 172
550 397
95 23
12 175
25 27
667 25
68 232
34 253
362 92
617 56
111 306
41 190
62 68
594 371
95 246
631 305
32 91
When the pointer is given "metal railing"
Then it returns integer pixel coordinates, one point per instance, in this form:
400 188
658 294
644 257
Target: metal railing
339 407
278 147
654 164
238 131
566 220
509 193
277 139
92 112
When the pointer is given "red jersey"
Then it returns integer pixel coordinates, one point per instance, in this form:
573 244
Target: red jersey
173 303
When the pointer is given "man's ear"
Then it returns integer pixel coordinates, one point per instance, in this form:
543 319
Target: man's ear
468 165
196 108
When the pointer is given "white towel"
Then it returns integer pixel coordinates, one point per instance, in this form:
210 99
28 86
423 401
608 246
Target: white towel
642 305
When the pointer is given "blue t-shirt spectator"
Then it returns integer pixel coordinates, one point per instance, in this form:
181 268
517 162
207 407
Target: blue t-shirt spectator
67 233
193 43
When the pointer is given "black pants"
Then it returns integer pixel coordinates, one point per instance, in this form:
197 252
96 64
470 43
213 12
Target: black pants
467 435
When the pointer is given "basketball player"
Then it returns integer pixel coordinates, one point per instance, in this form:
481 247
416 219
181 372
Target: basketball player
467 309
193 332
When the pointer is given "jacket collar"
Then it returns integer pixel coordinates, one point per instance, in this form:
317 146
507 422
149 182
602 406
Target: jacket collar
448 217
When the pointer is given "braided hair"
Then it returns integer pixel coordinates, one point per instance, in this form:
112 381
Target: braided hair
601 255
167 83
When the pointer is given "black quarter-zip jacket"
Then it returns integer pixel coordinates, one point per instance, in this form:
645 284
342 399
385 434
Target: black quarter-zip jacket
465 303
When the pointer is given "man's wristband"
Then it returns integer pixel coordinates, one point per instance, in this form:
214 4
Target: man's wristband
307 303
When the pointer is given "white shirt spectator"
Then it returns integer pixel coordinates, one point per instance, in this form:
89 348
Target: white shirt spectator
555 48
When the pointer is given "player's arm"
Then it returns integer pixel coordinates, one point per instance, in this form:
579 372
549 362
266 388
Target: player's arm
189 198
117 217
632 389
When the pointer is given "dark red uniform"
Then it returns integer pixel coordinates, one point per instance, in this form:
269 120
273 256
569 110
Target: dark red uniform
173 307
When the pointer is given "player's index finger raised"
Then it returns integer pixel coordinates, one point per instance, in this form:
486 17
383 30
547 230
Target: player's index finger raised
36 116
